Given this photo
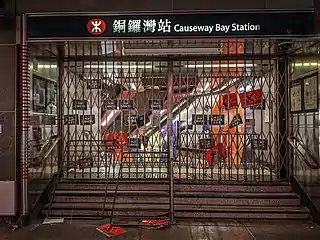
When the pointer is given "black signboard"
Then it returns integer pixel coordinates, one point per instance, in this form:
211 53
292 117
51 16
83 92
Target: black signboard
203 24
217 119
134 142
199 119
79 104
156 104
71 119
236 121
109 104
132 120
94 84
48 120
259 144
126 104
87 119
206 143
141 120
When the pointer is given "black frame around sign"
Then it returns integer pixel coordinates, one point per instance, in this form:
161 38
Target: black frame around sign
284 23
300 82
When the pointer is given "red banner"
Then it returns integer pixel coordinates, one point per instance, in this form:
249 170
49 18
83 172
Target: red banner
117 139
230 101
251 98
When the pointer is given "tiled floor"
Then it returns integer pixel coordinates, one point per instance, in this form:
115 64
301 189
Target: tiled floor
209 231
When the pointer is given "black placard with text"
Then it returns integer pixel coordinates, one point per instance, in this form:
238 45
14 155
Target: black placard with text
156 104
87 119
70 119
217 120
259 144
126 104
79 104
109 104
199 119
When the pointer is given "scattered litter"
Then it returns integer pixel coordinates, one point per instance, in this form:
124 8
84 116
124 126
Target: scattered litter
15 227
34 227
111 231
52 220
154 223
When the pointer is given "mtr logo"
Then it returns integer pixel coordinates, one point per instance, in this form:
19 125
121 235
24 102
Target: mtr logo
96 26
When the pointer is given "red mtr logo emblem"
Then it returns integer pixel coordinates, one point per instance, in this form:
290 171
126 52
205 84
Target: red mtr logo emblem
96 26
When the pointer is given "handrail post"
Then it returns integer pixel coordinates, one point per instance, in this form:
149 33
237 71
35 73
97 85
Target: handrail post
60 103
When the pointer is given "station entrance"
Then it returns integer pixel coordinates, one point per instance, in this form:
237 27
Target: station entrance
179 103
168 122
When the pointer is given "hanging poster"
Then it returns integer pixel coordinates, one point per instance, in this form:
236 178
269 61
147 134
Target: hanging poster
71 119
230 101
296 97
156 118
236 121
79 104
251 98
310 93
87 119
39 93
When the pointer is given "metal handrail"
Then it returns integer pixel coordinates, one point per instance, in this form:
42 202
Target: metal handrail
294 142
46 154
43 159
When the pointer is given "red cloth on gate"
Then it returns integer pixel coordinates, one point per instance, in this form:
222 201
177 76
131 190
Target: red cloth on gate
219 149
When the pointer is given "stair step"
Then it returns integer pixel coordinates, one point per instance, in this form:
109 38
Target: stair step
195 201
176 194
178 207
178 187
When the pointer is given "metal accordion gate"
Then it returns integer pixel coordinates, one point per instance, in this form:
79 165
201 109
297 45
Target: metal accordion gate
161 109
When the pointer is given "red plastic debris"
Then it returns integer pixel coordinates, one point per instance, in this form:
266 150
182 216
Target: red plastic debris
154 223
111 231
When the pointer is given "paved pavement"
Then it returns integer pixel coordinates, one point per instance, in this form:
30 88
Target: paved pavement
281 230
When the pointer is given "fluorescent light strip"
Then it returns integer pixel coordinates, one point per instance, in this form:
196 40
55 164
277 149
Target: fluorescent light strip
306 64
164 51
103 66
47 66
240 65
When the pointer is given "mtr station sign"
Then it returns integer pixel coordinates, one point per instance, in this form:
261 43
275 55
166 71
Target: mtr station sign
175 25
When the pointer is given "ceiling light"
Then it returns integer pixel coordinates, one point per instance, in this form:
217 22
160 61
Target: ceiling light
233 65
103 66
306 64
171 51
47 66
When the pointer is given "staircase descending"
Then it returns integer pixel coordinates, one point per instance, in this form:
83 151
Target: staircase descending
88 199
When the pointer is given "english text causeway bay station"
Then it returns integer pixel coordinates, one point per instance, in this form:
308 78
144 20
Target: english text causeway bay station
234 27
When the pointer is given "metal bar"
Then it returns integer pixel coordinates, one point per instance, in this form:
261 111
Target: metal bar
233 57
282 86
170 137
26 103
61 53
315 164
103 58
